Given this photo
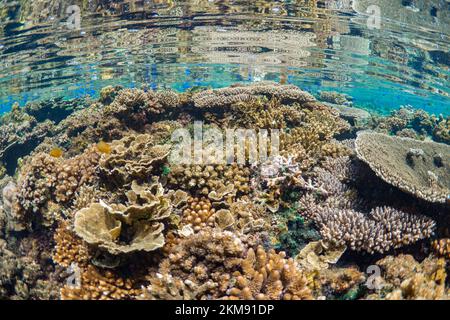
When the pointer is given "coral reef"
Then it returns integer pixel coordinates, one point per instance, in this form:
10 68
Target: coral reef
406 279
241 93
122 229
93 207
133 157
45 181
269 276
420 168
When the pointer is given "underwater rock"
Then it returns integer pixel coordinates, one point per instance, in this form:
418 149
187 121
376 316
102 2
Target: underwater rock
416 167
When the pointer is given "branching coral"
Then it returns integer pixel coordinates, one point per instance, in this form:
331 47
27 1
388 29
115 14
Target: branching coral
379 231
136 107
405 278
442 247
203 179
313 139
97 284
265 114
342 220
269 276
69 248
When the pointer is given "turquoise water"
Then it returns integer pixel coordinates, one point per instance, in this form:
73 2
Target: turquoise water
317 45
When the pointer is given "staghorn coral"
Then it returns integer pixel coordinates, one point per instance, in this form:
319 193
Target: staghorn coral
268 275
419 168
241 93
382 229
122 229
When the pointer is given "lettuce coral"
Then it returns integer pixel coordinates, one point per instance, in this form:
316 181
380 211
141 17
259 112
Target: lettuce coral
122 229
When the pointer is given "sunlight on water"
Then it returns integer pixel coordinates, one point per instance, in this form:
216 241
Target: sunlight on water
317 45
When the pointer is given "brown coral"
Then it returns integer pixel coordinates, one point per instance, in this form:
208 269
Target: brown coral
268 275
96 284
417 167
133 157
121 229
45 180
241 93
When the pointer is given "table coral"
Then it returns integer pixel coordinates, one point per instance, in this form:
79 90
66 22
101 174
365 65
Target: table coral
416 167
242 93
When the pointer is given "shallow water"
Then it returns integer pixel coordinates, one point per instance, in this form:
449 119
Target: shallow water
317 45
215 149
